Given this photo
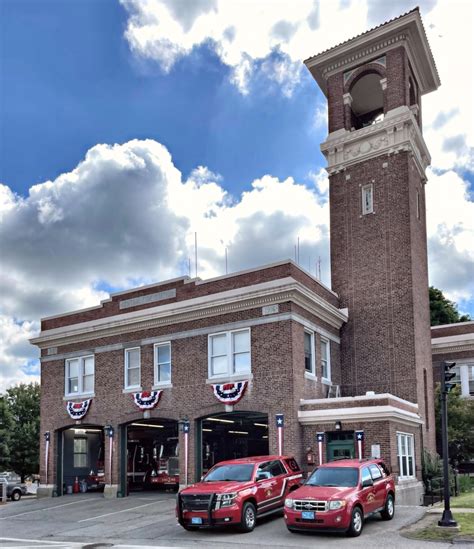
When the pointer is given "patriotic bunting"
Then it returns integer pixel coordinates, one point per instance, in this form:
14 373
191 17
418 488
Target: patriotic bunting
230 393
147 400
77 410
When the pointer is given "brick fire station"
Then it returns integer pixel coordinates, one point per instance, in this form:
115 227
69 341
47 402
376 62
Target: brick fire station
156 384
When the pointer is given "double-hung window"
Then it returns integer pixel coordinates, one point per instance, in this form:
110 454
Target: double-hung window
79 375
132 368
309 352
406 455
80 452
367 199
325 359
229 353
162 363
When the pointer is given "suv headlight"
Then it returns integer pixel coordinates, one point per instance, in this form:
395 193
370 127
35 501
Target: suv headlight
336 504
289 503
228 499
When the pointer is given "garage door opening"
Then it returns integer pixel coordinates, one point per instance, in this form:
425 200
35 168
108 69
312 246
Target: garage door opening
81 468
152 455
231 436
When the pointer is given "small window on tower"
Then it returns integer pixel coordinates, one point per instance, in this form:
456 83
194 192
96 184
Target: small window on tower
417 204
367 199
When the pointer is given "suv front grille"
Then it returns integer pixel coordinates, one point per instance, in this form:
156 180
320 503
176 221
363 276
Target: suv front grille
309 505
195 502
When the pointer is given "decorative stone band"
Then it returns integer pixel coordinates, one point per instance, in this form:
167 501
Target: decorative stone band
77 410
146 400
397 132
230 393
359 413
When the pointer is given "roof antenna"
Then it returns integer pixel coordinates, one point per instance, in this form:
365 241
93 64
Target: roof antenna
196 254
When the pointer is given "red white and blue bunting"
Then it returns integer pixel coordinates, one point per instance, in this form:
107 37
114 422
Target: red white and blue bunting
230 393
77 410
147 400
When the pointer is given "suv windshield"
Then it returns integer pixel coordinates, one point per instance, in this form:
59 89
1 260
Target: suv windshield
334 476
230 472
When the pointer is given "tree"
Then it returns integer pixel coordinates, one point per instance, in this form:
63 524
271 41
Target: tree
460 422
443 311
24 404
6 425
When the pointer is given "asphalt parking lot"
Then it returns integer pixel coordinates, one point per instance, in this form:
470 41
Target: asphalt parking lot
147 520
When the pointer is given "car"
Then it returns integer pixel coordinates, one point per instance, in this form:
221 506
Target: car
237 492
340 495
15 488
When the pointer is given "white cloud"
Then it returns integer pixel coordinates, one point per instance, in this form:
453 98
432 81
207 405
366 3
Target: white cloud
244 34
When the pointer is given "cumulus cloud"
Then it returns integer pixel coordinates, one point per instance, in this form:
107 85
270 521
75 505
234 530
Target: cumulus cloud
245 35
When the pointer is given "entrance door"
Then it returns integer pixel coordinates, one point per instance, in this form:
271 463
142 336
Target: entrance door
340 445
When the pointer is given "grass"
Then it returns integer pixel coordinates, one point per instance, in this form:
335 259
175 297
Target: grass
433 533
464 500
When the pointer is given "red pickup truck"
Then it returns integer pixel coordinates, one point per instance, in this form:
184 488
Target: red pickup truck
339 495
237 492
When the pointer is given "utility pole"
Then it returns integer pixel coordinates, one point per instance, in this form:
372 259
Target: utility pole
446 376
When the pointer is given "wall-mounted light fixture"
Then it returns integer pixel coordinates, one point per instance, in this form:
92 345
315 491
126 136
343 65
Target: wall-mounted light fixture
338 426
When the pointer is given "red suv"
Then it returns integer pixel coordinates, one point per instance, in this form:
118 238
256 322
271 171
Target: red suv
237 492
339 495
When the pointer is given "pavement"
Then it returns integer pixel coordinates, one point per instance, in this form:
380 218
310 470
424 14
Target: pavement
88 521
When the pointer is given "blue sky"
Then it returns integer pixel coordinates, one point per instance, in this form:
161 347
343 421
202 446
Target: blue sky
129 126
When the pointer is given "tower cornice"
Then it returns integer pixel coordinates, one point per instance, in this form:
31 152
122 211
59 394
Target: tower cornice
406 31
399 131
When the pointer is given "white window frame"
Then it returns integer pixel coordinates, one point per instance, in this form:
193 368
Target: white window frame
229 353
80 376
328 359
156 382
85 453
126 366
400 456
311 373
367 209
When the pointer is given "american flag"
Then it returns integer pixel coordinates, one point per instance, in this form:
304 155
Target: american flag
280 423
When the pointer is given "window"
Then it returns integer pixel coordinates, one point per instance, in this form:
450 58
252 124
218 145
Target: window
309 353
229 353
365 475
367 199
325 359
132 367
79 375
406 455
375 472
162 363
80 452
417 205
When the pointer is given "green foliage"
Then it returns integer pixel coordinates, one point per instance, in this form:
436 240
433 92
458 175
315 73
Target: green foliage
443 311
24 405
432 471
6 425
466 484
460 422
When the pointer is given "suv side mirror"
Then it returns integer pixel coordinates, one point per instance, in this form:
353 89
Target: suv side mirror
367 482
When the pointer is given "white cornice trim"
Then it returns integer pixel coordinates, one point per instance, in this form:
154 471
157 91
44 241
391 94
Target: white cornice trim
398 131
458 339
359 398
449 349
276 291
363 413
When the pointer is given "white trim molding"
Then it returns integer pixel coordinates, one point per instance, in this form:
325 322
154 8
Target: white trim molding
248 297
356 414
359 398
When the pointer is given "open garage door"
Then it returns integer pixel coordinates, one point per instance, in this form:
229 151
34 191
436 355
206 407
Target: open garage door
232 435
152 455
81 460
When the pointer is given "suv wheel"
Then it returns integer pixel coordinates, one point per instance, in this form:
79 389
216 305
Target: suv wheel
389 509
16 495
357 523
249 517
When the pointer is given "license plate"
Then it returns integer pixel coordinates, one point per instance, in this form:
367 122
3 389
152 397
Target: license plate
196 520
307 515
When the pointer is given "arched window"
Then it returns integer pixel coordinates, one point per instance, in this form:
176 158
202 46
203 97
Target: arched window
367 100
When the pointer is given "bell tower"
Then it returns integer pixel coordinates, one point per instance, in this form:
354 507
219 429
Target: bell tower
377 159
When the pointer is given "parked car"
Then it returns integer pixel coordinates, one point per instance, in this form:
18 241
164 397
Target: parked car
237 492
340 495
15 488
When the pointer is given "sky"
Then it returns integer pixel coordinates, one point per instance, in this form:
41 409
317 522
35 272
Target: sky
127 126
